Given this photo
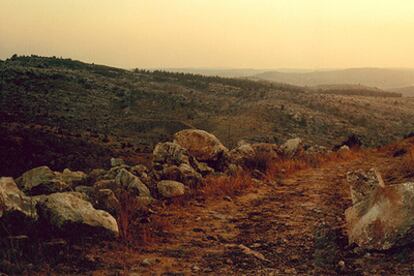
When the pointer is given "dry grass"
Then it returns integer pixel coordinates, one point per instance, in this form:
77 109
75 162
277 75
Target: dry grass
285 167
137 226
227 185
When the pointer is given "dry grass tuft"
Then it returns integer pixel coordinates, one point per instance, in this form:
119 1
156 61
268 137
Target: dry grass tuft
227 185
137 226
286 167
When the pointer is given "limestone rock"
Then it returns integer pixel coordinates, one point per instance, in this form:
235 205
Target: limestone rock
170 189
382 217
74 178
170 153
292 147
242 154
200 144
42 180
131 183
115 162
17 211
70 215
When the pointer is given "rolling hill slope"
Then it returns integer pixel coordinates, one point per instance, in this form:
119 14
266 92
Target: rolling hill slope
61 112
376 77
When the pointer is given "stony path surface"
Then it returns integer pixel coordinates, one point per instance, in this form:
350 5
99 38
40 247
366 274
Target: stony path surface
293 227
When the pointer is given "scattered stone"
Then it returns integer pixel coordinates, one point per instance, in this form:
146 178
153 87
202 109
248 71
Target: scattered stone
74 178
115 162
95 175
352 142
131 183
105 199
147 262
344 148
227 198
248 251
242 155
170 153
363 184
267 152
292 147
170 189
41 180
17 211
341 265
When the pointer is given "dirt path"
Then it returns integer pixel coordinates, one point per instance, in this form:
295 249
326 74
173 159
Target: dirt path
294 227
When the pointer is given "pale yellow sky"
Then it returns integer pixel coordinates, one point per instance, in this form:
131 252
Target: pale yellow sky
213 33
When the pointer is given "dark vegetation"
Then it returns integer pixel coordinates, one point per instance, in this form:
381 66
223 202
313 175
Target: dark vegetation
67 113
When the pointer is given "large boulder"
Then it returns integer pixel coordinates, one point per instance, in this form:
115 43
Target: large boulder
74 178
17 211
170 189
382 217
42 180
200 144
292 147
70 215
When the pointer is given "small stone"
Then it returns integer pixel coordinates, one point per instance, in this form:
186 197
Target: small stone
115 162
227 198
341 265
147 262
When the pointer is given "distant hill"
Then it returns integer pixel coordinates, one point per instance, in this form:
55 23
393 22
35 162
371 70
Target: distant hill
353 90
226 73
67 113
406 91
376 77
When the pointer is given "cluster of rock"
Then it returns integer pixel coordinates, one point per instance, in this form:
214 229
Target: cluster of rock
382 216
74 204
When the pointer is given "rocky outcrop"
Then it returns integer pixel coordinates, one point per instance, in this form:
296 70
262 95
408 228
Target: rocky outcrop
173 162
70 215
42 180
131 183
382 217
170 189
200 144
170 153
292 147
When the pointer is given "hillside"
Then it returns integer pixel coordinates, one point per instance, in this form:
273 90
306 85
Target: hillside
71 114
376 77
407 91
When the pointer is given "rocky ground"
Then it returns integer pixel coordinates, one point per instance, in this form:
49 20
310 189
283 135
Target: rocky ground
293 225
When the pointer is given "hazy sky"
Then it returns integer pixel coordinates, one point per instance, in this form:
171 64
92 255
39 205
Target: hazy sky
213 33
